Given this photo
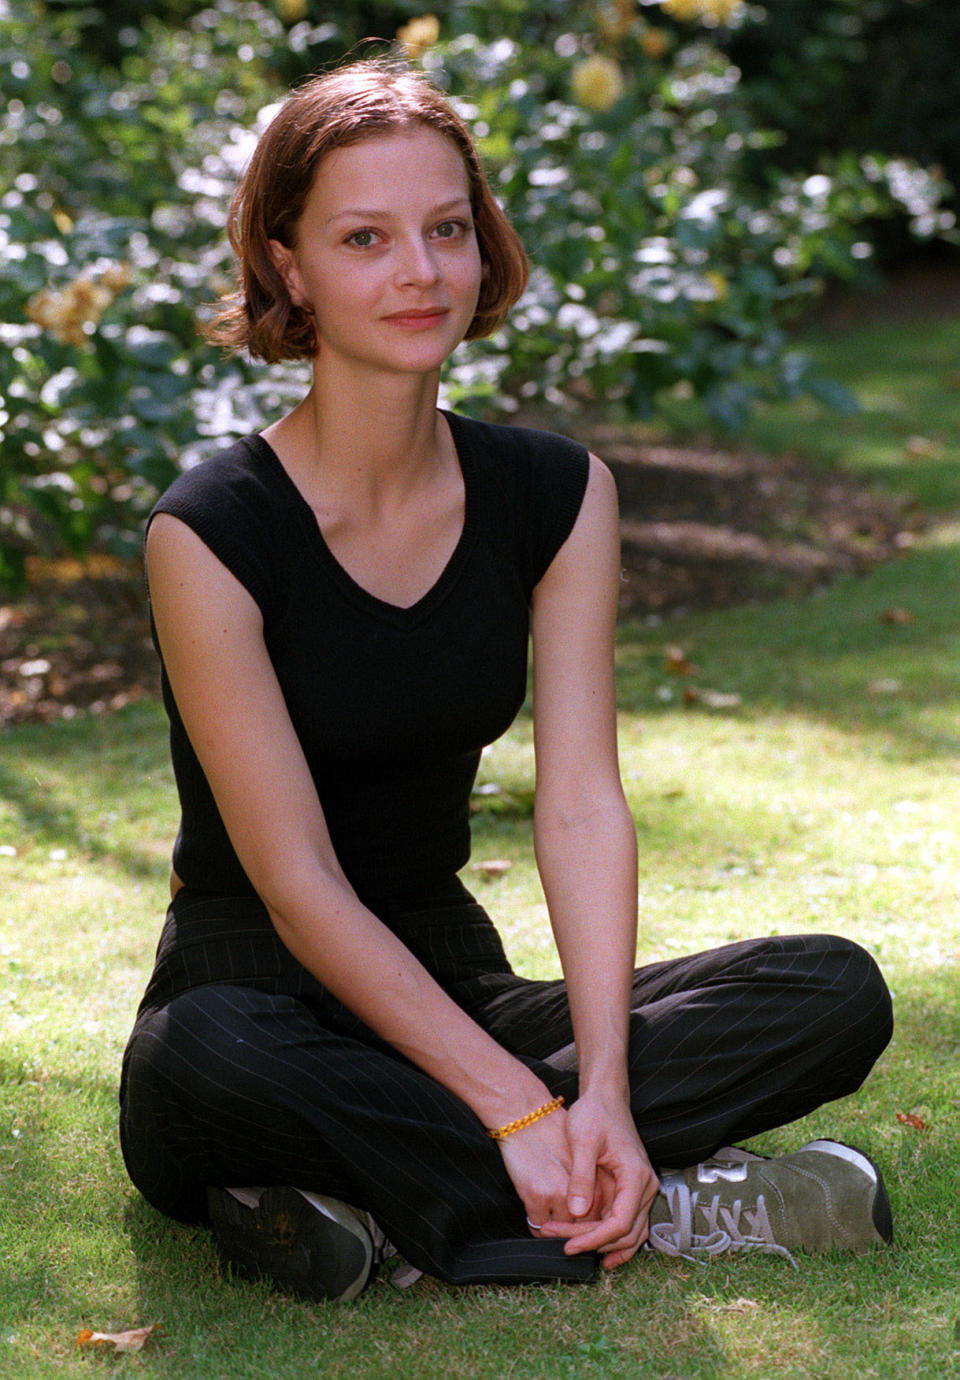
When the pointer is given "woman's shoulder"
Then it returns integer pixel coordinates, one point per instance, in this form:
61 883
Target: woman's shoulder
517 444
534 482
236 502
234 474
536 469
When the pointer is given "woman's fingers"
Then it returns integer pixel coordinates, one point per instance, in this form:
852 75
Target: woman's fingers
583 1189
538 1162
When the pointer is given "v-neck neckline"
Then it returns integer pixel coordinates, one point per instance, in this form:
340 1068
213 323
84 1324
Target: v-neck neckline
397 614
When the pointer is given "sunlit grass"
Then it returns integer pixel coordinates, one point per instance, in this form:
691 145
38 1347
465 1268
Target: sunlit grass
806 777
813 802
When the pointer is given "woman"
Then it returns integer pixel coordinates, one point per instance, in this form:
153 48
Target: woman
342 606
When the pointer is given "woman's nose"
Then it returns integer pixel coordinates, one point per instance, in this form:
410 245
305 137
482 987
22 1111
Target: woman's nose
417 265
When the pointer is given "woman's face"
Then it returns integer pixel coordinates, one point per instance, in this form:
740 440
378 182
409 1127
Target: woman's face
386 254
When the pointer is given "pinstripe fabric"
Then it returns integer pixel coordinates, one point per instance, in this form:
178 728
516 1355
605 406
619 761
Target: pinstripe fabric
242 1069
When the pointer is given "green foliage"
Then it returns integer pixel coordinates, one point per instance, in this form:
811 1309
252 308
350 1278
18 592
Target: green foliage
844 74
626 152
656 265
110 244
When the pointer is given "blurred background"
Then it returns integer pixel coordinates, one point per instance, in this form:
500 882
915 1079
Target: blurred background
691 177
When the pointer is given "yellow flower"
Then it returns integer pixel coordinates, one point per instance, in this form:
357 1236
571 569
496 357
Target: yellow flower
597 82
291 11
615 20
419 35
116 277
723 10
654 43
712 11
718 281
69 316
686 10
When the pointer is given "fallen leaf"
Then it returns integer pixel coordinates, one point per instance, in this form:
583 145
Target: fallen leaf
911 1119
493 867
739 1306
721 699
898 617
713 699
119 1341
676 661
924 448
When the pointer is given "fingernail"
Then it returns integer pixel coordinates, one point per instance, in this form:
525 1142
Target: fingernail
578 1206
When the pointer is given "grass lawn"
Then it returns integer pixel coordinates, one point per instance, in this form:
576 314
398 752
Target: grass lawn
906 435
806 777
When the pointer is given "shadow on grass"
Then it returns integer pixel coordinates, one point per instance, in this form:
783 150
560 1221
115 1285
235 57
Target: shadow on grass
903 440
84 784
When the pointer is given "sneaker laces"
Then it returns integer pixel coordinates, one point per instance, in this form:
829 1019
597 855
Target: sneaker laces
677 1238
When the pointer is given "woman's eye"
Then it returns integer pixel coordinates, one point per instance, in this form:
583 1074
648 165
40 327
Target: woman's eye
362 239
451 229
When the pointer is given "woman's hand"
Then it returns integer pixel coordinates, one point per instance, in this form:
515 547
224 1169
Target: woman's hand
611 1182
539 1160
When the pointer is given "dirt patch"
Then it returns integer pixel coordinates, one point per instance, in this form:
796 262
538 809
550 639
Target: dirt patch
77 642
702 528
926 290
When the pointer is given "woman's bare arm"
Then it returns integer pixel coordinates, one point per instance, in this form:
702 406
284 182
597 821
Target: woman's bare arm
586 852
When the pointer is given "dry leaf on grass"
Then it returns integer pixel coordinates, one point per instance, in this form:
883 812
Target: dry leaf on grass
897 617
885 686
713 699
911 1119
118 1341
677 663
493 867
739 1306
924 448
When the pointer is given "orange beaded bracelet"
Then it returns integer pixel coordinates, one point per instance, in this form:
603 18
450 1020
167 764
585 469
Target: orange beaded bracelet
501 1132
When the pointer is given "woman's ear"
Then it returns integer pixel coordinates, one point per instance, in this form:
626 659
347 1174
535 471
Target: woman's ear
285 264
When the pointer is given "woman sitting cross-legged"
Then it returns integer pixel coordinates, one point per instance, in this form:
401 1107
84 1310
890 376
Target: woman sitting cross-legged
333 1047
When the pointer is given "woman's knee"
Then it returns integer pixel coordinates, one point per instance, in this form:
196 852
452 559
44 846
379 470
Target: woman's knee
862 985
194 1048
859 1002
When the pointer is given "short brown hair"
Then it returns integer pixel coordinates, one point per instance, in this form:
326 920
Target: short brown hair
343 107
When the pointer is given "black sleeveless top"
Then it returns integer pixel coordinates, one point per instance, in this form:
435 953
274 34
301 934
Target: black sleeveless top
392 706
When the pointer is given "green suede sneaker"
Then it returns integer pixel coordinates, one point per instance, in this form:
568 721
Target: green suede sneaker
315 1247
826 1196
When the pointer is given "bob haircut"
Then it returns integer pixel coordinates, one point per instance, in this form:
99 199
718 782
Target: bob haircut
345 106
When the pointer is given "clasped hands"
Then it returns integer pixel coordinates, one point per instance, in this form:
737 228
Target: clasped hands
582 1174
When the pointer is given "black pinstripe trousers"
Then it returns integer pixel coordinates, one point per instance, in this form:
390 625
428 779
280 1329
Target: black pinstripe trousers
242 1069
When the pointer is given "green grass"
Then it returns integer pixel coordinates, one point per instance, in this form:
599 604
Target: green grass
906 435
822 793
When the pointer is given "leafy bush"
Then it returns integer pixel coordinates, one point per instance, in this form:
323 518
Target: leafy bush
845 74
621 143
110 242
658 265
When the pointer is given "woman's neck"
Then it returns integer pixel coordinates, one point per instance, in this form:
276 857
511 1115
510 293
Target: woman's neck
366 444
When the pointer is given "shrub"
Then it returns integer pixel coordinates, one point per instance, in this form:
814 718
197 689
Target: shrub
620 139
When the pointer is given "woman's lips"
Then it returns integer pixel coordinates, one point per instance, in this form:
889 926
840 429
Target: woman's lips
417 320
